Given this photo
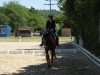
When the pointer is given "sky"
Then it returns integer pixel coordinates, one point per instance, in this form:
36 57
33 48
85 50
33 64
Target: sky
37 4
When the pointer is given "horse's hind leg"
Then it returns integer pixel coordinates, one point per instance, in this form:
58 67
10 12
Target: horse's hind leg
48 58
52 57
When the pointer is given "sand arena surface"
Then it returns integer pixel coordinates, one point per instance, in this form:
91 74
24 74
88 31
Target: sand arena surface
68 62
18 45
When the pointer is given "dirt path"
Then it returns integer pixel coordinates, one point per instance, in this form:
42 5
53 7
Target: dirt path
67 63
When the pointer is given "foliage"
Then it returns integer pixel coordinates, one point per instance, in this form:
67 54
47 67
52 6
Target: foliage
16 16
83 16
45 13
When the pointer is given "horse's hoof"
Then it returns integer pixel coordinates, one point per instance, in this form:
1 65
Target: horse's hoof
49 66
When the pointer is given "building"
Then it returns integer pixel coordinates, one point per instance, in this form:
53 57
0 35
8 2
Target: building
5 31
24 32
66 31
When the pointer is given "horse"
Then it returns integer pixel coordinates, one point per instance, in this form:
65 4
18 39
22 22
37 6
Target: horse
50 45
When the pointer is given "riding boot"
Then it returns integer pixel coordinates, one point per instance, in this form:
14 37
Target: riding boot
42 42
57 41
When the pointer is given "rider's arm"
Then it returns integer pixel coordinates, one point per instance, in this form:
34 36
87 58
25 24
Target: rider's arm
53 25
47 25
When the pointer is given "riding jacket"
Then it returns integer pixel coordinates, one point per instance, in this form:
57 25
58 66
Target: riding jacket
51 25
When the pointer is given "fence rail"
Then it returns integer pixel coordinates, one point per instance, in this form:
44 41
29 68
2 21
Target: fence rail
36 51
92 57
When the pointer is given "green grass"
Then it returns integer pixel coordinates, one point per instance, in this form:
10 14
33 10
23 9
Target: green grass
28 39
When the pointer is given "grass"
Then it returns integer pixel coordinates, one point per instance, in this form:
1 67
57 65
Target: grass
28 39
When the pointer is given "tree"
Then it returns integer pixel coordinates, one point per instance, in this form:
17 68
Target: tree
4 20
83 15
17 16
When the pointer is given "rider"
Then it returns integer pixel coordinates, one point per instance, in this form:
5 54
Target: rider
51 24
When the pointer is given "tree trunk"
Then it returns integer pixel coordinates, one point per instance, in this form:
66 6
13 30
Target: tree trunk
99 26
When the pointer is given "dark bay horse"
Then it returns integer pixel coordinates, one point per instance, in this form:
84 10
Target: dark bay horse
50 45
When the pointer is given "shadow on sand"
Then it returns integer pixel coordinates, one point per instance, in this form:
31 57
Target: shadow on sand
65 64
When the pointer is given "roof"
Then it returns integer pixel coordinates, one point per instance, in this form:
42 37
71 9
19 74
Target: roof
25 28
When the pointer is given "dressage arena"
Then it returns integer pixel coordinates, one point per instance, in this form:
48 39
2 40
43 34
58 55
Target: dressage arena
27 58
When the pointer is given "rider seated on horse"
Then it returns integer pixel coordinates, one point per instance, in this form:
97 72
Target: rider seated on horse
51 24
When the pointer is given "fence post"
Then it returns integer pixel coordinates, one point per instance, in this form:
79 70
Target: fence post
80 41
33 52
23 51
7 51
19 38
